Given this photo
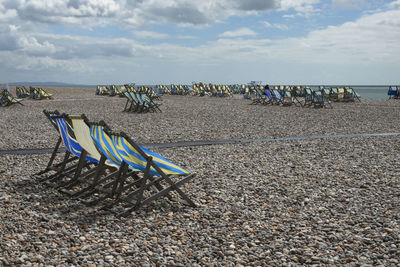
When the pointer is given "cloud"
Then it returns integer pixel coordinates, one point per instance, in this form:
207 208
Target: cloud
239 32
275 25
257 5
139 13
65 11
150 34
348 4
187 37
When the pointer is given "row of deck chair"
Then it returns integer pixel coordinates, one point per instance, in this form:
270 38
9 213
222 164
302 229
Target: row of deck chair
104 167
36 93
275 96
137 102
340 94
6 98
201 89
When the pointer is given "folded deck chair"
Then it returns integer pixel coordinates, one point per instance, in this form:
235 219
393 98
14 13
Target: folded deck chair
156 170
44 94
21 92
7 99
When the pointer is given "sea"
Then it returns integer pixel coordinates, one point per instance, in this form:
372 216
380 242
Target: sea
367 91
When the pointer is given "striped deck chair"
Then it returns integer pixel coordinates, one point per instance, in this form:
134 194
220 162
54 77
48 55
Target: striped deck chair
67 165
72 148
7 99
142 105
110 186
259 97
277 96
270 99
21 92
93 178
153 105
156 171
129 101
51 166
319 100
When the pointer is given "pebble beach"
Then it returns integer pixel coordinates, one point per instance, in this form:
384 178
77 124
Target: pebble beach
319 201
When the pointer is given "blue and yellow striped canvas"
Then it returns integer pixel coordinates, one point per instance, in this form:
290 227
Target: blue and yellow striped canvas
104 143
70 143
131 156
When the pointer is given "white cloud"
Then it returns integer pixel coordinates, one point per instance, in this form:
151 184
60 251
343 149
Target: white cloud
239 32
150 34
348 4
275 25
187 37
369 41
90 13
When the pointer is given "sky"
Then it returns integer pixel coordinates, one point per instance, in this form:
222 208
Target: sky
307 42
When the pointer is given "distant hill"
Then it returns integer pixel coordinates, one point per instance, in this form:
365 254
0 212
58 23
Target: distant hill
49 84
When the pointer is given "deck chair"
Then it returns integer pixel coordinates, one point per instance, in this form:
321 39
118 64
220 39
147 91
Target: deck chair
51 166
354 94
333 96
393 92
319 101
107 172
348 95
153 105
308 97
21 92
277 96
289 99
270 99
44 94
129 101
340 93
326 92
259 97
72 148
141 104
158 172
7 99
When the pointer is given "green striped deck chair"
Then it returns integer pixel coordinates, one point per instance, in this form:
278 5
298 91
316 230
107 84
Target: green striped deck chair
153 105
